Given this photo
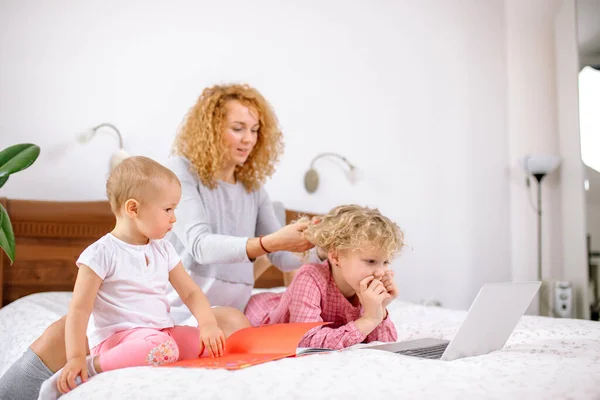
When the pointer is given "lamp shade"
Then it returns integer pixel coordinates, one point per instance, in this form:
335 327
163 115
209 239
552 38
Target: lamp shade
541 163
117 157
354 174
86 135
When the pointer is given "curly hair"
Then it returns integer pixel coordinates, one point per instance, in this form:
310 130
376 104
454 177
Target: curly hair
352 227
200 138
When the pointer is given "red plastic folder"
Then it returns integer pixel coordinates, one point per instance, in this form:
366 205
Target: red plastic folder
254 345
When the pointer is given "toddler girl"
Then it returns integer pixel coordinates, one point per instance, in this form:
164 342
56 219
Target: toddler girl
122 282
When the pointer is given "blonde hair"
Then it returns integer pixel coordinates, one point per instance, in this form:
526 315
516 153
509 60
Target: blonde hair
200 138
352 227
136 178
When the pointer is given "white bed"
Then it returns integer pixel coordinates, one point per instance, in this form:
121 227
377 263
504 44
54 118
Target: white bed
544 359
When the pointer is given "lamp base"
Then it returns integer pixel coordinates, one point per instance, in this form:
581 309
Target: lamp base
311 180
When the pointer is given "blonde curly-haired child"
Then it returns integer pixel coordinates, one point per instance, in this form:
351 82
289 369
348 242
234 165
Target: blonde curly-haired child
350 289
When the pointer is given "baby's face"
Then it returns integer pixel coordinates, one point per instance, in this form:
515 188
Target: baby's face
157 215
357 265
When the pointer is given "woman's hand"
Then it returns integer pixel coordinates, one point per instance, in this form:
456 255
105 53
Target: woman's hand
288 238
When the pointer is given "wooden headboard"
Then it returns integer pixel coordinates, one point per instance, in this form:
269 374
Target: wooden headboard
50 235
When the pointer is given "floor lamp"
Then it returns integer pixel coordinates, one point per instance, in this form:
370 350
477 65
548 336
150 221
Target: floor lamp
540 165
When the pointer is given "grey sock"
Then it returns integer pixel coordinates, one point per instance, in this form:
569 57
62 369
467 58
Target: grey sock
24 378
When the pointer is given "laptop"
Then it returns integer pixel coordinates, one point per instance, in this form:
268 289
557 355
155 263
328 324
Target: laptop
489 323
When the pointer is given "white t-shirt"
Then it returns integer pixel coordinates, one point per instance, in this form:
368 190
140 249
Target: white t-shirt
133 293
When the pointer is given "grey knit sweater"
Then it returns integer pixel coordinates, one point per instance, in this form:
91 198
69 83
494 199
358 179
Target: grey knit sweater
213 226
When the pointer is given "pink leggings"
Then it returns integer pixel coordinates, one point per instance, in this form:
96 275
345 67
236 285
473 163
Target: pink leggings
144 346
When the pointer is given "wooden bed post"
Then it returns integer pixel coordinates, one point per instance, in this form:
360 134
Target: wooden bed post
50 236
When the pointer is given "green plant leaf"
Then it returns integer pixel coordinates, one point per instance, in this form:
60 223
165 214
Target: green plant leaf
18 157
7 236
3 178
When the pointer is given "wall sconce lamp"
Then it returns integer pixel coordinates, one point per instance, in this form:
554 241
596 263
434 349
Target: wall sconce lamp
311 178
118 155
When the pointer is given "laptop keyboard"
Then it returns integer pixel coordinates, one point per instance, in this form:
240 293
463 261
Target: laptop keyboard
433 352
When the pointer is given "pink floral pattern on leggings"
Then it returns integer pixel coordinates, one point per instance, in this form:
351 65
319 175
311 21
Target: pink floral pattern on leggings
164 353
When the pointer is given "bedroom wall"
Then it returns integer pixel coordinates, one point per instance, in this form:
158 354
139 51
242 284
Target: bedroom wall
572 194
543 118
413 93
532 128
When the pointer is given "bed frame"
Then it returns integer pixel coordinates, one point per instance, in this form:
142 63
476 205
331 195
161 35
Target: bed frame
50 235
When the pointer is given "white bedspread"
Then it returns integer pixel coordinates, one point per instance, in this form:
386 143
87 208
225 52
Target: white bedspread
544 359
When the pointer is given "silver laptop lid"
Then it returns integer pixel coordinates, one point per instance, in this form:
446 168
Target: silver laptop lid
491 318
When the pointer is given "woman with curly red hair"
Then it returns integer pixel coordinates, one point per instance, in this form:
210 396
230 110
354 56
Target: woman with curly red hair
227 146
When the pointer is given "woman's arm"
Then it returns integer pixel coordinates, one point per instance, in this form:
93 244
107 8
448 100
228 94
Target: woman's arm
194 231
280 253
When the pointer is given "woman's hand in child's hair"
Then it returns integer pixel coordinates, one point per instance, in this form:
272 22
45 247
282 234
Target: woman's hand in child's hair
213 339
289 238
372 293
75 367
390 286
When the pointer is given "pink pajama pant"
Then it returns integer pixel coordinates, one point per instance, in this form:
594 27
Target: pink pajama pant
144 346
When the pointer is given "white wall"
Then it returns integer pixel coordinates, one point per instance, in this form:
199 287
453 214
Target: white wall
572 196
433 100
411 92
543 118
532 128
